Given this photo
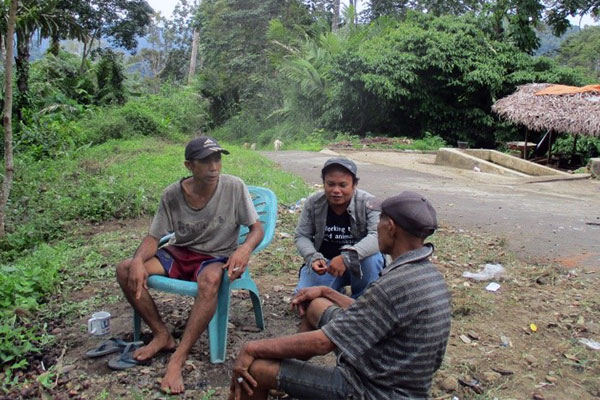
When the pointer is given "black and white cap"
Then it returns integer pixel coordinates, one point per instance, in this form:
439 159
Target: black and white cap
202 147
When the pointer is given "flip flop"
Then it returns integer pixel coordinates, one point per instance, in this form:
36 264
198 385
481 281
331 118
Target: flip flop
125 360
109 346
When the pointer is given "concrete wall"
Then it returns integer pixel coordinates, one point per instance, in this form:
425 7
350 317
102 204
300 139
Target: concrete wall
513 163
595 167
494 162
459 159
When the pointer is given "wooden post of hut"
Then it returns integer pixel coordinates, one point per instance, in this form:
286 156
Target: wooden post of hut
526 138
574 149
549 147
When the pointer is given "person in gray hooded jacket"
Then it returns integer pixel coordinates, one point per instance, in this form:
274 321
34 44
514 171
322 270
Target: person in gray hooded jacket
337 234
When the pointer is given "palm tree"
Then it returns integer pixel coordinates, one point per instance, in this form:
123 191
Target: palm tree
46 19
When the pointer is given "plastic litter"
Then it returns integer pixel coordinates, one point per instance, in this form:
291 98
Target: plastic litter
492 287
297 207
592 344
489 271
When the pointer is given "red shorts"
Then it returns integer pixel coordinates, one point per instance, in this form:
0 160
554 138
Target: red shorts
182 263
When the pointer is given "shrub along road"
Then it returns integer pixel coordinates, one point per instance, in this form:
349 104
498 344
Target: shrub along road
553 221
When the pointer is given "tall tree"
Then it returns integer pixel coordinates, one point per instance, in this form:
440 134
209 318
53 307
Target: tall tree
335 20
557 16
234 49
194 55
42 17
121 21
514 21
9 168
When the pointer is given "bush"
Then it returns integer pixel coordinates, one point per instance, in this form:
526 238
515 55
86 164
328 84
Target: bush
23 286
587 146
172 114
429 142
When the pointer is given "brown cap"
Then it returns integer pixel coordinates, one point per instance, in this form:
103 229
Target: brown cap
202 147
409 210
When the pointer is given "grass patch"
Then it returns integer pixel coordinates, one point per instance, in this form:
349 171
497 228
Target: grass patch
117 179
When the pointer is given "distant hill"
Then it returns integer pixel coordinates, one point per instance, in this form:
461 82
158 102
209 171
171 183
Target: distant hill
549 43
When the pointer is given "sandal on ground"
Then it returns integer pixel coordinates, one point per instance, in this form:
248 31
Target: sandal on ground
125 360
110 346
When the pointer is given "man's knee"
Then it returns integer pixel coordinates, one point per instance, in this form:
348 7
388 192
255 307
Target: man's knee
209 279
316 309
122 270
265 372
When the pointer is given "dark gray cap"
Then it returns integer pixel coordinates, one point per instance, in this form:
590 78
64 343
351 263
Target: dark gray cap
409 210
202 147
343 162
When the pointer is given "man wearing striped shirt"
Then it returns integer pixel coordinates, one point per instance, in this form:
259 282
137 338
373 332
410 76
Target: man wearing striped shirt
389 342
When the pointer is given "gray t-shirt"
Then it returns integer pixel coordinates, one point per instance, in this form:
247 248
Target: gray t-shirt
212 230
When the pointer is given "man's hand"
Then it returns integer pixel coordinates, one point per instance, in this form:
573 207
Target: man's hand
319 266
241 378
236 265
138 277
305 296
337 267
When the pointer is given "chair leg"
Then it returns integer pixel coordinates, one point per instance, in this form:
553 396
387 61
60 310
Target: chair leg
137 326
217 327
258 314
249 285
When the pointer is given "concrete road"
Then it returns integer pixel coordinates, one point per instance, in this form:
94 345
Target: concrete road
542 222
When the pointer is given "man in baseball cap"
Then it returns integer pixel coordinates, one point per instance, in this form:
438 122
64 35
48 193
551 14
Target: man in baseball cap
337 234
388 343
205 212
202 147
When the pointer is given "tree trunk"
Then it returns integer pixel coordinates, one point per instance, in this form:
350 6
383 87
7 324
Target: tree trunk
2 51
335 21
194 57
87 49
22 67
9 169
54 45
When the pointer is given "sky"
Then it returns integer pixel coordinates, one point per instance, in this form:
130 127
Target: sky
166 8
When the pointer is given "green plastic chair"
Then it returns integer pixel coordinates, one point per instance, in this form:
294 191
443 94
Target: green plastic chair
265 203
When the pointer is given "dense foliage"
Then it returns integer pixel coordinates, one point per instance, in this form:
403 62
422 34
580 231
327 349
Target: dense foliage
396 77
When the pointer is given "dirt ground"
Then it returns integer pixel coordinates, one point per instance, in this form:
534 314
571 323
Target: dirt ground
540 221
493 346
520 342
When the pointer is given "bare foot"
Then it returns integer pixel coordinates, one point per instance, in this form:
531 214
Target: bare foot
172 382
158 343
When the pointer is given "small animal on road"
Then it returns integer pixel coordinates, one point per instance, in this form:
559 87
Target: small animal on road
277 144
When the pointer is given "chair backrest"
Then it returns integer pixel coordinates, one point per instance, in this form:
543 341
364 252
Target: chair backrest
265 203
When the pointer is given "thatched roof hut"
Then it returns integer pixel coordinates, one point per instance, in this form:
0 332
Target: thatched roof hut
576 113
